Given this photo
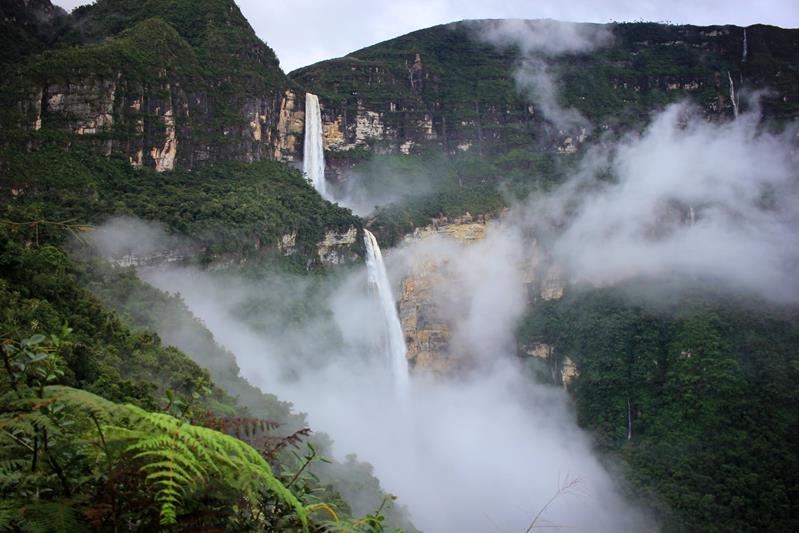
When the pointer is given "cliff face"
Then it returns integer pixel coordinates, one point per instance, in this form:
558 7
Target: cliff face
178 83
444 87
169 84
426 326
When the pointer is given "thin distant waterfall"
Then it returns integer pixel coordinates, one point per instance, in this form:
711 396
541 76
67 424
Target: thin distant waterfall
743 57
732 95
313 162
394 340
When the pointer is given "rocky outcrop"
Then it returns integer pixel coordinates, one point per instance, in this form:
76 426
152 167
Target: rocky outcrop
338 247
147 91
568 372
392 98
427 332
426 328
287 244
562 370
290 127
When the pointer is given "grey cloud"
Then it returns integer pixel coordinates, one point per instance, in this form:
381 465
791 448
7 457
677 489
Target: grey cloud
537 41
482 451
689 198
548 37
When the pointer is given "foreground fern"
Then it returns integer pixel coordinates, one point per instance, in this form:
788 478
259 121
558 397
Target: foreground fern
178 456
175 457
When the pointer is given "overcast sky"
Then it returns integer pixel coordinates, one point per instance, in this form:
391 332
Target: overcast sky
306 31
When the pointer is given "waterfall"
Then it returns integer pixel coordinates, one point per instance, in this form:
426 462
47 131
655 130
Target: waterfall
743 57
394 340
691 216
629 421
313 162
732 96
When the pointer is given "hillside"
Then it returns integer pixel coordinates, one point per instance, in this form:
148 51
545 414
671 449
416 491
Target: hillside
169 84
449 86
485 108
163 135
158 117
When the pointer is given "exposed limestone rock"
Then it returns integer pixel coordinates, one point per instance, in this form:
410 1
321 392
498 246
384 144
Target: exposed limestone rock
562 372
416 74
88 107
571 143
290 127
164 156
545 353
553 284
539 350
568 372
154 258
542 279
288 243
426 125
464 228
32 107
333 135
337 247
137 160
368 126
426 330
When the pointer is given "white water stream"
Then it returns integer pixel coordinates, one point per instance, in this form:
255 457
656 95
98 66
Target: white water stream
313 163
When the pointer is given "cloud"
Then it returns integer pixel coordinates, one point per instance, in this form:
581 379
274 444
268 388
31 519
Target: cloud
547 37
687 198
537 42
127 237
477 452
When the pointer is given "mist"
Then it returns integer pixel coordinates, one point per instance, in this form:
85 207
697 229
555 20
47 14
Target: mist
483 450
687 198
488 446
538 41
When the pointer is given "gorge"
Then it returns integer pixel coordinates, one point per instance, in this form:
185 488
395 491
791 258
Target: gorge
584 315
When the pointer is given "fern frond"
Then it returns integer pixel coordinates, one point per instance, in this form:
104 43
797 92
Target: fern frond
9 514
52 517
179 456
83 401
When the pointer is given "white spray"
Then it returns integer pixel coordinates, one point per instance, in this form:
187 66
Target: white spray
732 95
313 162
394 338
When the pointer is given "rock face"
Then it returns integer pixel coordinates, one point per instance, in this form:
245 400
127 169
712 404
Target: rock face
427 328
338 247
562 370
420 91
290 127
156 91
161 94
426 331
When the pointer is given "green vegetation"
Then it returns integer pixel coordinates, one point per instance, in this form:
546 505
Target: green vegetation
27 27
431 185
116 406
73 461
231 209
646 66
709 385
